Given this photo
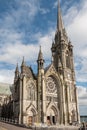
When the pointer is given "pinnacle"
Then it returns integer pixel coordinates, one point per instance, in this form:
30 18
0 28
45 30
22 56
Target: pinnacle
23 62
40 55
60 25
17 68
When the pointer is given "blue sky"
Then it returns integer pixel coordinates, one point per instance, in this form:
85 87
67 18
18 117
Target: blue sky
27 24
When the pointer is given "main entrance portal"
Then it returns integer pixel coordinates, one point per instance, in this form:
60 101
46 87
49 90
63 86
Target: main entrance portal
31 118
52 117
51 120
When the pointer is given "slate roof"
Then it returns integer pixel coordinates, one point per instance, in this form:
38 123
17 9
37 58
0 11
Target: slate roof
5 88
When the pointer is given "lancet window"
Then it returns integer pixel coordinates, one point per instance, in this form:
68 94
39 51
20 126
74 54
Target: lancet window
31 91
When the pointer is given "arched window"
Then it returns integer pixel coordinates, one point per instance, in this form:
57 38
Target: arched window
51 85
67 60
31 91
74 117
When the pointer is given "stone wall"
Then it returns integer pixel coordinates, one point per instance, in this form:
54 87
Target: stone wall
57 128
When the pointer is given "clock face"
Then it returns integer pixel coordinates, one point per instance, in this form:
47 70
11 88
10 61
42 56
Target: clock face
51 85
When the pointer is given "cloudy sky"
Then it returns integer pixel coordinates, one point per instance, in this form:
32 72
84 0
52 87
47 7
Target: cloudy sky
27 24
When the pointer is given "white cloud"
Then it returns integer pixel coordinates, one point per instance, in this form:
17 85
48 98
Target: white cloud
75 20
81 69
82 98
76 26
11 51
55 4
14 49
6 76
24 13
12 40
82 92
44 11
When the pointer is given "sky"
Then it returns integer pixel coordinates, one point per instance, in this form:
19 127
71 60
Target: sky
27 24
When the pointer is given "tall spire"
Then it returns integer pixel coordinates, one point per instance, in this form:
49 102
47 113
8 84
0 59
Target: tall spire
23 62
40 55
17 70
40 60
60 25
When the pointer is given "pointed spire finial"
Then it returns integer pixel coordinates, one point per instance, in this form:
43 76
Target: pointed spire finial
17 70
23 62
23 58
40 60
40 50
40 55
58 4
40 47
60 25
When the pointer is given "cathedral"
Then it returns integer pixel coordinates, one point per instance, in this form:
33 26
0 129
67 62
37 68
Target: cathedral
50 96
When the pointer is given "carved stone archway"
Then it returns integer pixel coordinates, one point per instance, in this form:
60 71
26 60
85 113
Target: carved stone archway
73 115
52 115
31 115
54 91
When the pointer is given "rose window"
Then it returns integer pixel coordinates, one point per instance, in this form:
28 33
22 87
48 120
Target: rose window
51 85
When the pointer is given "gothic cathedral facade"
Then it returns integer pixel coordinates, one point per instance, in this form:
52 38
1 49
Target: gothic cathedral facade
49 97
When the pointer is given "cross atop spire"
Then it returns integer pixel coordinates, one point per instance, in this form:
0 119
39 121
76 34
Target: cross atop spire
60 25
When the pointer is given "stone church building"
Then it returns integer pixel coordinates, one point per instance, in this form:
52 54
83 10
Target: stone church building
49 97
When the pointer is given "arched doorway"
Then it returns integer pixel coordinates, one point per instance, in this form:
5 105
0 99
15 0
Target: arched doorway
52 116
73 115
31 118
53 97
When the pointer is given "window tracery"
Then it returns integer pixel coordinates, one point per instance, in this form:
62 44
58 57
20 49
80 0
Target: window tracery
31 91
51 85
67 60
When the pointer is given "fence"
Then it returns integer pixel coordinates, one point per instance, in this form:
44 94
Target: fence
15 122
12 121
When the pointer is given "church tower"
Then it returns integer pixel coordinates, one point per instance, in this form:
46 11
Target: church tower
50 96
41 88
62 54
16 73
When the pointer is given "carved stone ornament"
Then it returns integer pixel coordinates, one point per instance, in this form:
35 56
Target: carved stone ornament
31 90
51 85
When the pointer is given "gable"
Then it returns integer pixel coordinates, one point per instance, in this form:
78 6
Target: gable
29 72
50 69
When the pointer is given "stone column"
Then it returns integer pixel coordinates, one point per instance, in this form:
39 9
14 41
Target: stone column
43 99
61 105
68 103
39 96
64 106
77 109
21 102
